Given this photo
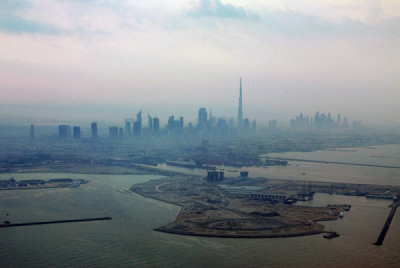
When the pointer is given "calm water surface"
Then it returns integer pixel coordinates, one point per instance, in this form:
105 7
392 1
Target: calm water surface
128 239
388 155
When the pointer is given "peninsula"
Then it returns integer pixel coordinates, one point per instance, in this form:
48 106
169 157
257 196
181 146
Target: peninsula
209 210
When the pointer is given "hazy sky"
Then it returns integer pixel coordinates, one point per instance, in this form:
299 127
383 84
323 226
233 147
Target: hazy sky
104 60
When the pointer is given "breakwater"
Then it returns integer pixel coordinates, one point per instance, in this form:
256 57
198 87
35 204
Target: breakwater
387 224
53 222
332 162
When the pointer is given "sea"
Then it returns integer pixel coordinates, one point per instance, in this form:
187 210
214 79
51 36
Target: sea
128 240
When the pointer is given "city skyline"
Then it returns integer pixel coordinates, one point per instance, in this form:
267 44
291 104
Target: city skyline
59 60
131 124
206 122
205 133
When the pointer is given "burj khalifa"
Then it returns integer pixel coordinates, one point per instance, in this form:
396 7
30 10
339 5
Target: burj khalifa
240 110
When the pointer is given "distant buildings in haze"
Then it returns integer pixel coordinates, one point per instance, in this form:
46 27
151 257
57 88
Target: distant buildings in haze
207 124
77 132
321 121
64 131
32 132
94 129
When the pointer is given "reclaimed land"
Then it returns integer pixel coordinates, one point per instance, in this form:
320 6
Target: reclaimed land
207 211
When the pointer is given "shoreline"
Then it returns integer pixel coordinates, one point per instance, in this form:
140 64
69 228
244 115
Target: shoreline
220 221
239 236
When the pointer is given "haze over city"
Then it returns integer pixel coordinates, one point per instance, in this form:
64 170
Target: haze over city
199 133
80 61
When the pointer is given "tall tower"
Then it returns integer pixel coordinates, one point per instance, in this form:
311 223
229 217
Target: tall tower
32 132
202 119
94 129
240 110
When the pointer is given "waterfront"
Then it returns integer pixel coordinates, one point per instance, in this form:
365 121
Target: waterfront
128 239
309 171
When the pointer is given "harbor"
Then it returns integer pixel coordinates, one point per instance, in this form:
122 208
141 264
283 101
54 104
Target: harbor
129 239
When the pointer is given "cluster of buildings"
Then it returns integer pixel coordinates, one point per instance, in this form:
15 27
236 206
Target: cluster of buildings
207 124
322 121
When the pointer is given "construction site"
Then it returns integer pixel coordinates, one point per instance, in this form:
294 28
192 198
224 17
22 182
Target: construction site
226 207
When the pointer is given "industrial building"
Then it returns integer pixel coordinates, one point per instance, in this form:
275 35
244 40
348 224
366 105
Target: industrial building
253 192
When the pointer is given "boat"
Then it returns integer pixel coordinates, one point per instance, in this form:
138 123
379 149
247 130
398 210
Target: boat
74 184
290 201
331 235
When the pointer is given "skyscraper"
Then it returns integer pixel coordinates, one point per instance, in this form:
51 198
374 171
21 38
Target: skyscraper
240 109
137 126
246 123
64 131
32 132
139 117
181 125
113 131
127 127
202 119
94 129
156 124
77 132
149 122
171 121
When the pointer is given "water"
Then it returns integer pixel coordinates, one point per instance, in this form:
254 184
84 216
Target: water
388 155
128 239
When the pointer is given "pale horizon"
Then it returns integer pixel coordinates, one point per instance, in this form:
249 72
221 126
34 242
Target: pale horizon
82 61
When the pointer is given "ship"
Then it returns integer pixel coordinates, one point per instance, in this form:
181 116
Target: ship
331 235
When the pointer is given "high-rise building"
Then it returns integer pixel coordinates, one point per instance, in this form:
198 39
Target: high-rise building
181 124
171 121
94 129
137 126
121 132
113 131
240 109
64 131
32 132
345 122
137 129
202 125
246 123
156 124
149 122
127 127
221 127
77 132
